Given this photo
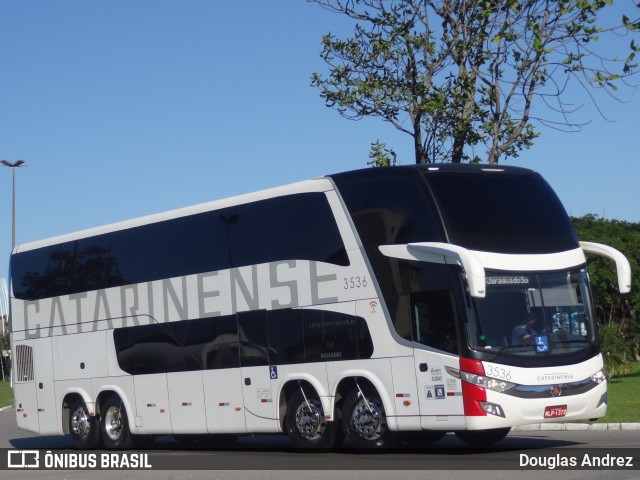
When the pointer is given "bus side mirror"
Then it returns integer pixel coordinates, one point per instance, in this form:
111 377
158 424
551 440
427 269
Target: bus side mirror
622 264
436 252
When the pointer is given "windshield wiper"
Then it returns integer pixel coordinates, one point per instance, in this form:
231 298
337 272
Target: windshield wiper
509 348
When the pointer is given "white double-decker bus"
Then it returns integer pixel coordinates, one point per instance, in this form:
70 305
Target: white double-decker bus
376 305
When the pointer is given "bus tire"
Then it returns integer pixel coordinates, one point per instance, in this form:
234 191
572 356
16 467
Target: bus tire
84 429
305 422
114 424
482 438
364 420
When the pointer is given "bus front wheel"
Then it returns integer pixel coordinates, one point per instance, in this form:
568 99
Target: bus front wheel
114 424
305 421
84 428
364 420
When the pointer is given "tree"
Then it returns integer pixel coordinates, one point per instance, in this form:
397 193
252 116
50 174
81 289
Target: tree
381 156
618 315
5 365
456 75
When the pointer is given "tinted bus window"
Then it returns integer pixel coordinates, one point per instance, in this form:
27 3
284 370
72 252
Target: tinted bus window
294 227
301 227
220 348
245 228
248 339
254 338
505 212
150 349
391 210
330 336
286 338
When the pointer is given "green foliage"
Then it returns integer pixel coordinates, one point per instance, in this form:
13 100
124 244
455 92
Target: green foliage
616 349
460 74
624 236
623 393
618 315
6 394
381 156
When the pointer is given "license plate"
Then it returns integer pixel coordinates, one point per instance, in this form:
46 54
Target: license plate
556 411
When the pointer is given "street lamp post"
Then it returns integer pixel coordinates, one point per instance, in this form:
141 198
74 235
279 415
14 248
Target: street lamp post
13 165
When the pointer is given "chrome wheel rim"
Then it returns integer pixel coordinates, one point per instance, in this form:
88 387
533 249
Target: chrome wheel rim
310 421
113 423
80 425
368 419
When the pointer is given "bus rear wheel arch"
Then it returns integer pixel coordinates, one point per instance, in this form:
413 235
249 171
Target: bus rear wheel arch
364 420
305 421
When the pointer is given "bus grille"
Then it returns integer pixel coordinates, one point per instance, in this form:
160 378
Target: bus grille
24 363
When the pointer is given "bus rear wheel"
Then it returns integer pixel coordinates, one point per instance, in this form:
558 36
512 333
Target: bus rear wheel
482 438
305 421
114 424
364 420
84 428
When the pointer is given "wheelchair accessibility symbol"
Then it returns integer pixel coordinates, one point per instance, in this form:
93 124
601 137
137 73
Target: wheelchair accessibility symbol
273 372
542 344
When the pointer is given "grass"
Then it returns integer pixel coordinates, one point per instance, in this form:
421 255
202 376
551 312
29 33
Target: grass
624 398
624 395
6 394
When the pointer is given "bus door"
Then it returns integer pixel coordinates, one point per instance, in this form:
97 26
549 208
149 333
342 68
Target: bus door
223 397
222 377
259 402
186 401
45 393
152 403
439 392
257 373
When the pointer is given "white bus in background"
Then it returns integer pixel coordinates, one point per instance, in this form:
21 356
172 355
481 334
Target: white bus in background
378 305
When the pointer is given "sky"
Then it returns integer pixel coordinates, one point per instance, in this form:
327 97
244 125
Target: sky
124 108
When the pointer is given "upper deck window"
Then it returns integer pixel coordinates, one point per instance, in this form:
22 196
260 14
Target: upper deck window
390 210
503 212
291 227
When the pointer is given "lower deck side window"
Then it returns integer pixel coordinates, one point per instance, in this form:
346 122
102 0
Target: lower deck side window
247 339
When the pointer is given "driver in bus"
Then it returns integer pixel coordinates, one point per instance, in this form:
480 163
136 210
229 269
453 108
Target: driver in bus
523 334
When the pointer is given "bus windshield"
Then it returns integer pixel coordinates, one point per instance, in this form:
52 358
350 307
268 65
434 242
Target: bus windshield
534 314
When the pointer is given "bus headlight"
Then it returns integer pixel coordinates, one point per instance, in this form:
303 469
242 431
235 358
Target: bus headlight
599 377
492 409
486 382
